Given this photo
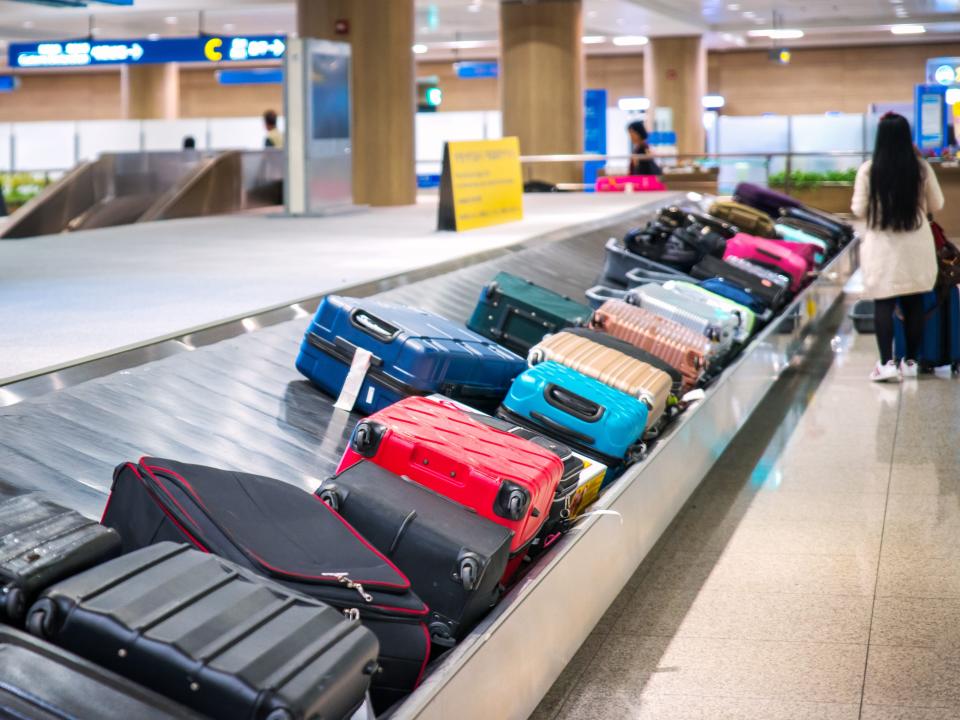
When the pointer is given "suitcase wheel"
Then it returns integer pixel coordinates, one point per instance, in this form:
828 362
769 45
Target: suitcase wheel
331 497
512 501
14 604
469 572
40 621
366 438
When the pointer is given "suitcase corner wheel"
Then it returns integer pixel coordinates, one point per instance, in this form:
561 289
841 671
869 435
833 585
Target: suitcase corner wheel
42 619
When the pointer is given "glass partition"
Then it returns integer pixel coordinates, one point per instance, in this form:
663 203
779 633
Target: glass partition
44 145
827 134
99 136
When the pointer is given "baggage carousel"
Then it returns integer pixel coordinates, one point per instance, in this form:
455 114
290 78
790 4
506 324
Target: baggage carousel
231 397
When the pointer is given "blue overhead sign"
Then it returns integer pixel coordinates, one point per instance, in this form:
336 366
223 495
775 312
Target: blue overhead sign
472 70
81 53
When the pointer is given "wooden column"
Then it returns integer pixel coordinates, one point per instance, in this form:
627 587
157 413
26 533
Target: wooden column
541 82
383 93
150 91
675 76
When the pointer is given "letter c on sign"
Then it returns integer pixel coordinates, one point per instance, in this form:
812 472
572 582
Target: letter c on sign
212 49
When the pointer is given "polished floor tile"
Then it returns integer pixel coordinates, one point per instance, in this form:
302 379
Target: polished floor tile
888 712
817 672
747 616
905 576
917 622
568 681
592 704
920 677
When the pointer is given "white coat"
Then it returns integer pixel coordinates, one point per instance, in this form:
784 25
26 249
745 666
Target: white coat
898 263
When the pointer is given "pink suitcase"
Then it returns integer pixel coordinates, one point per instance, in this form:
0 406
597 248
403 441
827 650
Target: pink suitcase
807 251
771 253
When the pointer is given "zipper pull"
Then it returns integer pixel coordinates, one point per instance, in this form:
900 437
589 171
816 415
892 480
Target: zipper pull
355 586
351 614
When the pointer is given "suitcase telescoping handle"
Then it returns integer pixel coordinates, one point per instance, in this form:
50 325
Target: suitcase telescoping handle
373 326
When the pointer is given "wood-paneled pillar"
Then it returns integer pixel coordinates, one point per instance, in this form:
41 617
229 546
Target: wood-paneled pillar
675 76
541 82
383 93
150 91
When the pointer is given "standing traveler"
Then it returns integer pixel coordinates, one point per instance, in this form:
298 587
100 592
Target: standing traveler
894 192
274 137
639 146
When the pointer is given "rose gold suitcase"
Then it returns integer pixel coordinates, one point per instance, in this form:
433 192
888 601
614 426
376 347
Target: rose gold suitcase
611 367
686 350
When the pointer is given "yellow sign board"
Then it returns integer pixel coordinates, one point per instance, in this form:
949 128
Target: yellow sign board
481 184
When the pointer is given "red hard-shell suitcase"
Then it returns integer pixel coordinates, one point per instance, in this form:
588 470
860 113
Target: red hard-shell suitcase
503 477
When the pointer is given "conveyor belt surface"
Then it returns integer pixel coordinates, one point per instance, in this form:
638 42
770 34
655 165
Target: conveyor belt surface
239 403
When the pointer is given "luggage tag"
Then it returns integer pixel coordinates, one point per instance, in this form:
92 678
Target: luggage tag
353 383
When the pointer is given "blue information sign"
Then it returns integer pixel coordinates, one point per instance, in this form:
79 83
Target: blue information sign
595 132
81 53
472 70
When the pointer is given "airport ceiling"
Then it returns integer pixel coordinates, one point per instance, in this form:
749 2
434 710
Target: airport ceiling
468 28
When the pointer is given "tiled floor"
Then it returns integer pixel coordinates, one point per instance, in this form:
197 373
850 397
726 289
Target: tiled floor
815 575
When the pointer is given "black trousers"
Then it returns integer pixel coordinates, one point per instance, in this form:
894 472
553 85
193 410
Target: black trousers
912 308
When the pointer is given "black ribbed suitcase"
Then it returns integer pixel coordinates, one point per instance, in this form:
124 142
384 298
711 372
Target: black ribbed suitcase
453 557
41 543
40 681
212 635
284 533
766 292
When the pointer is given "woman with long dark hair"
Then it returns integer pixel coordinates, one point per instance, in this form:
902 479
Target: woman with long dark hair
894 193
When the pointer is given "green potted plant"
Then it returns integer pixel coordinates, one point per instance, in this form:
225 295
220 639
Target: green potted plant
831 191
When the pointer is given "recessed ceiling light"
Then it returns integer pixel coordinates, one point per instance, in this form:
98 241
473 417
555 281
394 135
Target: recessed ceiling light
713 102
777 34
593 39
908 29
170 20
630 40
591 13
419 48
473 8
749 14
153 36
733 6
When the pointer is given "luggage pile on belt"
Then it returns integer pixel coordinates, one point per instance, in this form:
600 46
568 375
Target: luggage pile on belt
214 593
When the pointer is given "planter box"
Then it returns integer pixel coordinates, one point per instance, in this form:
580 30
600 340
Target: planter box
830 197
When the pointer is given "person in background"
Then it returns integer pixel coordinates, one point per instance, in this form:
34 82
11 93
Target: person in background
274 136
189 143
894 192
639 146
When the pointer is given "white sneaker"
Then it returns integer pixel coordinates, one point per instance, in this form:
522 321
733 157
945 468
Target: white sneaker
886 372
908 368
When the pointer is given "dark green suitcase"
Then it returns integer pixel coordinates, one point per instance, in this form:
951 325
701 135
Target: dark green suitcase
518 314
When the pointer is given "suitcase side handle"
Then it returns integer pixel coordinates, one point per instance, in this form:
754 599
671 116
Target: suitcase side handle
576 405
557 430
373 326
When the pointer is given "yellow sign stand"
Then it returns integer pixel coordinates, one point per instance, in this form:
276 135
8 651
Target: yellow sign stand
481 184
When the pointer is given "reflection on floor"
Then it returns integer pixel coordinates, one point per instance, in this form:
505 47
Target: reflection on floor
814 574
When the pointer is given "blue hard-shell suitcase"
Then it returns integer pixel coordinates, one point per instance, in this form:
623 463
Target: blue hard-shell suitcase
731 291
941 332
414 353
584 413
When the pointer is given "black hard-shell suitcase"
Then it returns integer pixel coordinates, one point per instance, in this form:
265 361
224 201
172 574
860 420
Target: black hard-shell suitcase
42 543
664 244
284 533
842 232
39 681
453 557
771 295
212 635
